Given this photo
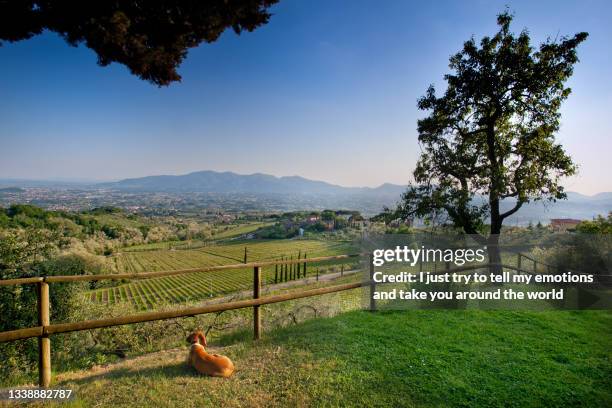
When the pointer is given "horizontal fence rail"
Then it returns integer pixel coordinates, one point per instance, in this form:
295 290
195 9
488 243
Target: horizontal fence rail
148 275
170 314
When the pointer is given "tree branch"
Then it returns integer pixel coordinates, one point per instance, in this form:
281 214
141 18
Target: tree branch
508 213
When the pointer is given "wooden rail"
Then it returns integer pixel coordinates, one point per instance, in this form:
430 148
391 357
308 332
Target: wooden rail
169 314
148 275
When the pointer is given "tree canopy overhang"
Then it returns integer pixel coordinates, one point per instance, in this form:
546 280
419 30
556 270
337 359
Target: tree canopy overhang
151 38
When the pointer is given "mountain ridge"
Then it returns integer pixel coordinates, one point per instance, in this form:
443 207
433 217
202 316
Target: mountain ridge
304 192
230 182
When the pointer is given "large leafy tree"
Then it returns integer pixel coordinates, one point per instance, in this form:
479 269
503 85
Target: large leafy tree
491 136
151 37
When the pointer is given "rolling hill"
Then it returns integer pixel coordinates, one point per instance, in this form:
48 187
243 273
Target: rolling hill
228 182
312 194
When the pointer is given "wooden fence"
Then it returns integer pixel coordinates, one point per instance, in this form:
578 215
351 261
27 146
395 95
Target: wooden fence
45 329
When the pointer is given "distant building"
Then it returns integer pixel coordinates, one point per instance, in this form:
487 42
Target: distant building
301 232
563 224
356 221
344 216
399 222
329 224
313 218
226 218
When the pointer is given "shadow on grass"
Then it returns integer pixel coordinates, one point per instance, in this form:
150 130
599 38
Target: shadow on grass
179 369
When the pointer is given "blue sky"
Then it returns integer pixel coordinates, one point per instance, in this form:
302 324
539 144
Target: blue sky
327 90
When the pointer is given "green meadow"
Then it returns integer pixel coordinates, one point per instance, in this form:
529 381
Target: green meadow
430 358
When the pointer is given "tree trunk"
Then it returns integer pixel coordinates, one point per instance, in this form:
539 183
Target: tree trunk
494 254
496 225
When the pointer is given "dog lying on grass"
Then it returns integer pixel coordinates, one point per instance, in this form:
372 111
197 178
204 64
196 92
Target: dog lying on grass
214 365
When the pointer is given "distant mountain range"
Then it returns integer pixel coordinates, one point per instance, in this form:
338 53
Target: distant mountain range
265 191
366 199
228 182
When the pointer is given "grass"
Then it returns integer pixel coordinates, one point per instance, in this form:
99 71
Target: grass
240 229
152 246
414 359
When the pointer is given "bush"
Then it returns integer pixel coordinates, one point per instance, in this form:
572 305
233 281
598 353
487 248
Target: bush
277 231
25 254
316 227
580 252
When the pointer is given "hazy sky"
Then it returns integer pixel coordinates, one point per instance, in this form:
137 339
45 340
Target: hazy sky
327 90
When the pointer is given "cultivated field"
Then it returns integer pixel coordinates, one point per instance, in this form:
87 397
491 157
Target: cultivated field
240 229
148 293
195 286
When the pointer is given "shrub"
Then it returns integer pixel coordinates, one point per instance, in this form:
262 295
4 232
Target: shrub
24 254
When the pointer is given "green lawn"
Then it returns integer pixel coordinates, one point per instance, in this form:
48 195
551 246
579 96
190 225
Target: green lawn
240 229
432 358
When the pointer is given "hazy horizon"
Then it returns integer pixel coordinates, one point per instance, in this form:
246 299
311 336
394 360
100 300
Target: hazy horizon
326 91
101 181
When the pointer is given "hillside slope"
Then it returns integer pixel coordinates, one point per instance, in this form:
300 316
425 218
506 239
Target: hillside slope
425 358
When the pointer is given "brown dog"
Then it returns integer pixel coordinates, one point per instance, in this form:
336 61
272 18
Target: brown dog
208 364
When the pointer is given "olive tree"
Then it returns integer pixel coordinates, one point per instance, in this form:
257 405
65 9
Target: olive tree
491 136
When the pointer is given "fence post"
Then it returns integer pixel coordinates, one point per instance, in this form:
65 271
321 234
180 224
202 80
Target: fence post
518 261
286 270
372 285
44 342
245 254
304 264
256 291
285 267
298 265
276 273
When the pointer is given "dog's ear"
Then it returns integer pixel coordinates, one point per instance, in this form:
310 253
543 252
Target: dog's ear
202 339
